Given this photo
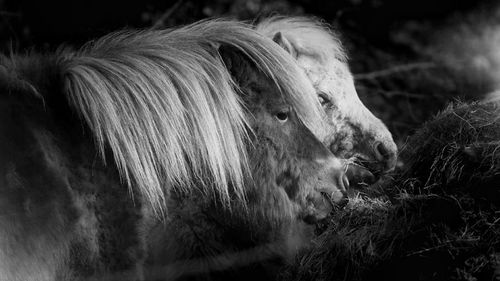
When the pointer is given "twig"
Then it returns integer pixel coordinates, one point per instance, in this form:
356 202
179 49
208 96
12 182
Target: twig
183 268
10 14
394 70
443 244
394 93
160 22
216 263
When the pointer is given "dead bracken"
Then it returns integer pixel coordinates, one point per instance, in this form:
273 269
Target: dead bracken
438 217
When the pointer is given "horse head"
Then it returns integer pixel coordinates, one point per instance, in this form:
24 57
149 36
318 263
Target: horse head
293 175
349 129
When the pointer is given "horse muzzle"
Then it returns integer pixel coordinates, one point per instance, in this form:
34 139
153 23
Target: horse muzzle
325 198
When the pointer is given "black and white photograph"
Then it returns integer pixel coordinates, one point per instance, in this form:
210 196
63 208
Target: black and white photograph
259 140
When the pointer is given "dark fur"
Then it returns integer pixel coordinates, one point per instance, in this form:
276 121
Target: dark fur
56 191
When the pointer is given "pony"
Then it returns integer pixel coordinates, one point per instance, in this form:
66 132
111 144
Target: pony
202 240
349 129
98 142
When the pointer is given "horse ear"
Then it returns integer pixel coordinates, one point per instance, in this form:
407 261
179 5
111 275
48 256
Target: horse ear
281 40
236 63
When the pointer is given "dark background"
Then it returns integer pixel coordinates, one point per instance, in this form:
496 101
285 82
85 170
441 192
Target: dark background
409 58
57 21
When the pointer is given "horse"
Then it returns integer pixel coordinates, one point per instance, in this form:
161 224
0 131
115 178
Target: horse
98 142
201 240
349 129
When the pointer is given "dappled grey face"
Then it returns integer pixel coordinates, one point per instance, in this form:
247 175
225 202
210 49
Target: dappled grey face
349 129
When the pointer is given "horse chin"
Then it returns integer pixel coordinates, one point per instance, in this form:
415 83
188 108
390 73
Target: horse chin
326 196
321 205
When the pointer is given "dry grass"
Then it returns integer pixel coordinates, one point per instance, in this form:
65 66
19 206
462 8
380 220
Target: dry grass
439 219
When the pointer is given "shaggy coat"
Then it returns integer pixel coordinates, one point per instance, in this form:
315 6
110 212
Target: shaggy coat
95 141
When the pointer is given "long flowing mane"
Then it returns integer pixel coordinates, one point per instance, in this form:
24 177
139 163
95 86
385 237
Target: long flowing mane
165 104
307 34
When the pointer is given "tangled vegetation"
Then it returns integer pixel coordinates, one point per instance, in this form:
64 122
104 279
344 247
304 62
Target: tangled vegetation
439 218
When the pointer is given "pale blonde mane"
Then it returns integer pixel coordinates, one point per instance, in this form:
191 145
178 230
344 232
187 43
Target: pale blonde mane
308 35
165 105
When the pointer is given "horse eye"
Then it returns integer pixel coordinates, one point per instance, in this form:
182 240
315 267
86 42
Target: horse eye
282 116
323 99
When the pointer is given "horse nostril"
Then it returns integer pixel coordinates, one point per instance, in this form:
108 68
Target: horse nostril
382 153
386 154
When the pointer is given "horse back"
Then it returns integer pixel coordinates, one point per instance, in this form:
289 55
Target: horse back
65 214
